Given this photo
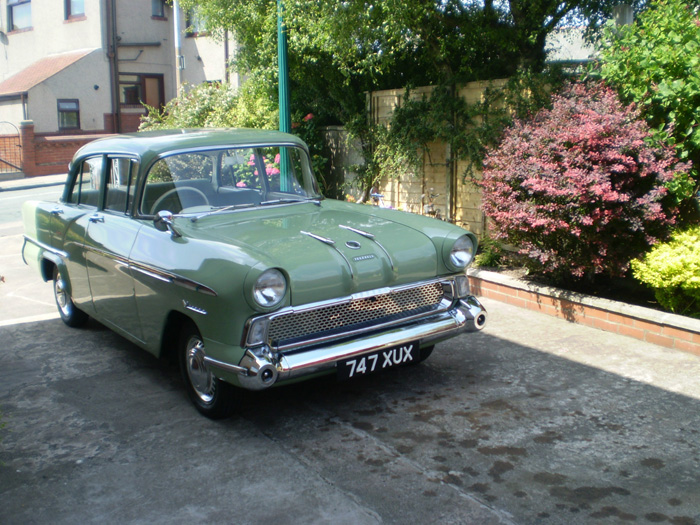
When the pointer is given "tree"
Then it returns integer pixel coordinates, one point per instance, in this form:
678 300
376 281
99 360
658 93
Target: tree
655 64
338 51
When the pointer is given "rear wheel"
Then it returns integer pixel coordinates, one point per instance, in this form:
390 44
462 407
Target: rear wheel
67 310
211 396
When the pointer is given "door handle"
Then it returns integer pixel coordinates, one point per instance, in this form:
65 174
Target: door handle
97 218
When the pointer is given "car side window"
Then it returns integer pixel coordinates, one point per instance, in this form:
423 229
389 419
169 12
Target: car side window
119 190
178 182
86 189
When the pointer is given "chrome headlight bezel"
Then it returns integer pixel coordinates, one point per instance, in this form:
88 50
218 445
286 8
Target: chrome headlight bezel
269 288
461 253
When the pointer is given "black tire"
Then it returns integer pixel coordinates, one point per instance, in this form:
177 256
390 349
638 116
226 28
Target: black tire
212 397
424 354
69 313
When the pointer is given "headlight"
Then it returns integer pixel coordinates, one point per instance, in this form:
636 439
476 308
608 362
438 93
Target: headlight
462 252
269 288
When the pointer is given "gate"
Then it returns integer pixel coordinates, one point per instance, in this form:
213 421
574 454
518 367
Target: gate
10 148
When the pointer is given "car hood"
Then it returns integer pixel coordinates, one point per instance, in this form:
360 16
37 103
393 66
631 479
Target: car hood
330 250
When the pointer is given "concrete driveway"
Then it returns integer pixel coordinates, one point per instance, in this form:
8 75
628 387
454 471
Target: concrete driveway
533 420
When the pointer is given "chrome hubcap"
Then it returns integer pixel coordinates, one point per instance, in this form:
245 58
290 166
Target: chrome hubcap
62 299
201 379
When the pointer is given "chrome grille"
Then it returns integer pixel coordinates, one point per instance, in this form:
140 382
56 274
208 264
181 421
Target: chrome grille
295 326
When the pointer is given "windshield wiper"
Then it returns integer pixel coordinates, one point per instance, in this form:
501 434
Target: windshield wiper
224 208
314 200
281 201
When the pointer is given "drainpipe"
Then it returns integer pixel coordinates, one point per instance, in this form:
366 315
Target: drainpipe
112 40
226 57
179 59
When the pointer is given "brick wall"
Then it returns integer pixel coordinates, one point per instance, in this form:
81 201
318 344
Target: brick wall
49 154
663 329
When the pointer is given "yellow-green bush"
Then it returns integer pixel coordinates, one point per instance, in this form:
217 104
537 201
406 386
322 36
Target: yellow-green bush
672 269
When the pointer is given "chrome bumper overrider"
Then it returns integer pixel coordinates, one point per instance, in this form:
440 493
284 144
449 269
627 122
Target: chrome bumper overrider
261 368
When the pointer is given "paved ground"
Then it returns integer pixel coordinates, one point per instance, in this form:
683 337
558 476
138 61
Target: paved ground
533 420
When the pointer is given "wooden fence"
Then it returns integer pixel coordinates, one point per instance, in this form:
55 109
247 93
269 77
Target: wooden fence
453 198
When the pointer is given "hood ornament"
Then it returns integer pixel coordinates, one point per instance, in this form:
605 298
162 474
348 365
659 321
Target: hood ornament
353 245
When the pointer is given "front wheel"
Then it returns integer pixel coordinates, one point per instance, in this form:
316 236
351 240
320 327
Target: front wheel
67 310
424 354
211 396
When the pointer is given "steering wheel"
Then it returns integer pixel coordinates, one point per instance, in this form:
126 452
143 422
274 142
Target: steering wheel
178 192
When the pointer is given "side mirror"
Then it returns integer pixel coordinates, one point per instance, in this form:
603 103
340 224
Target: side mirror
164 222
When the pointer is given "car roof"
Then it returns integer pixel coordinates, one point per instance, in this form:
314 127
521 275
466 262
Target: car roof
150 144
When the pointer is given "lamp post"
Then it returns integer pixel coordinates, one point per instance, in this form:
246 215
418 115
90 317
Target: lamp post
285 123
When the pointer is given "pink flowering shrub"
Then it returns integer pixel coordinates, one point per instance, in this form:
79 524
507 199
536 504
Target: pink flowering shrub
578 189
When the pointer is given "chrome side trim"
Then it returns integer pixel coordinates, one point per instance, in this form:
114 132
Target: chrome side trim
331 243
43 246
167 277
225 366
193 308
373 238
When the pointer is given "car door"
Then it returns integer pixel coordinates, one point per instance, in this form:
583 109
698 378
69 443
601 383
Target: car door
69 223
111 232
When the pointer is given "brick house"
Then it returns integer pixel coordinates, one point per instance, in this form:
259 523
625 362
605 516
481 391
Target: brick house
74 69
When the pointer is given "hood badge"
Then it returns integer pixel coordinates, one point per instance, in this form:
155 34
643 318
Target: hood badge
353 245
363 257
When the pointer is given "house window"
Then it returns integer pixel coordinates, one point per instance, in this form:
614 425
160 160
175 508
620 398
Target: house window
195 24
19 14
68 114
75 8
158 8
137 89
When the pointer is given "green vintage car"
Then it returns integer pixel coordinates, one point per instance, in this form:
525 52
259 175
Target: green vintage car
217 246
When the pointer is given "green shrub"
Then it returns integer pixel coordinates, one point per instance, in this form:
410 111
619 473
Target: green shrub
491 253
672 269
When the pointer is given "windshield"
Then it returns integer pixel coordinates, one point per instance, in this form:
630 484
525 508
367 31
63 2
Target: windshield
228 179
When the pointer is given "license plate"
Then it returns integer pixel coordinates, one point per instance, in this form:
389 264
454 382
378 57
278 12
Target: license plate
380 360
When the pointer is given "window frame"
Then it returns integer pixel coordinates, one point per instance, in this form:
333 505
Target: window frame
65 111
96 181
70 15
129 187
158 9
141 83
192 21
11 5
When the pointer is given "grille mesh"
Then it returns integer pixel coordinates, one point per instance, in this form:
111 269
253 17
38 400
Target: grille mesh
297 326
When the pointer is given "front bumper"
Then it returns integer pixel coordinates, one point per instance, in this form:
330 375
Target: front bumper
261 368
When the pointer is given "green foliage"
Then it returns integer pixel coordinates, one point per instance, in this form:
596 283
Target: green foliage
655 63
469 129
215 106
672 269
491 253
